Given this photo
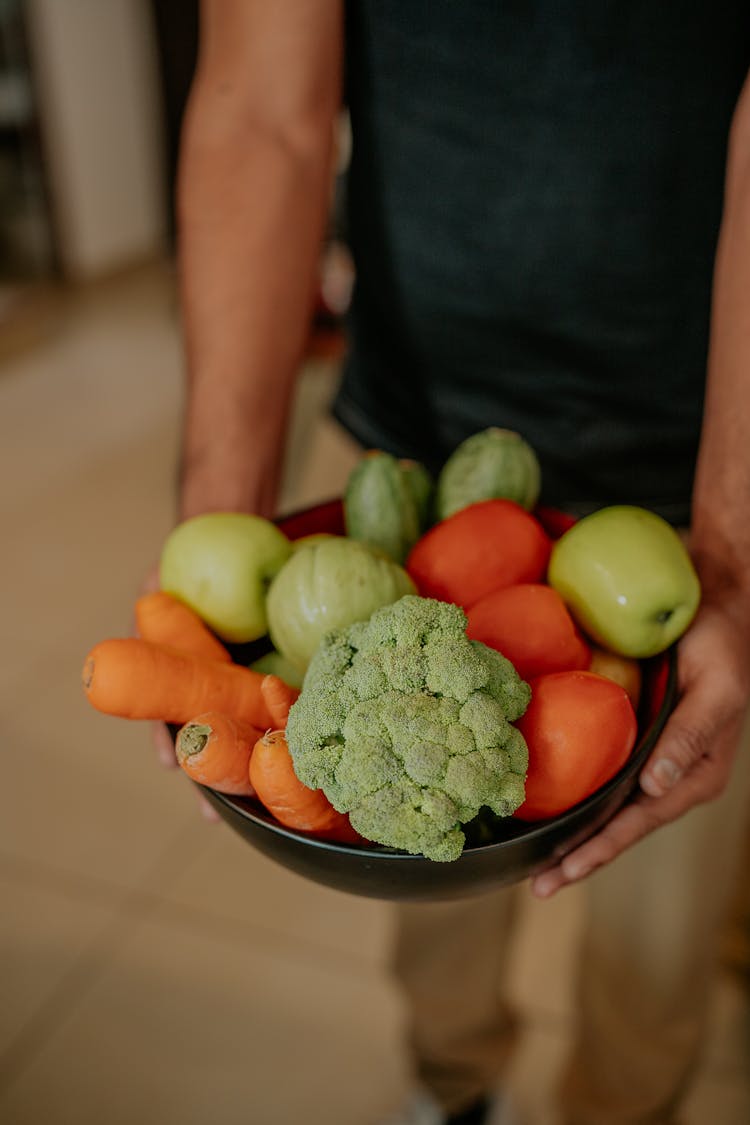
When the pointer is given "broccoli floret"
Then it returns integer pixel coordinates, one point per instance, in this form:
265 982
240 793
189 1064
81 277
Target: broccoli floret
425 762
509 689
364 767
414 819
485 718
406 724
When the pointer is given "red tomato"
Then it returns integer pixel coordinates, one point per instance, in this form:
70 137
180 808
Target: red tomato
580 729
531 626
481 548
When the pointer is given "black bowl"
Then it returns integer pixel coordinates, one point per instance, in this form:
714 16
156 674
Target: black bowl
515 850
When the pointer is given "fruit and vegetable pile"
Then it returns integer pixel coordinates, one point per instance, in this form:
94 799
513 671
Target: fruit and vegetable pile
457 652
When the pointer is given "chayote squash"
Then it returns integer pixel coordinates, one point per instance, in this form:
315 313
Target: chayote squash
326 585
386 503
490 465
419 482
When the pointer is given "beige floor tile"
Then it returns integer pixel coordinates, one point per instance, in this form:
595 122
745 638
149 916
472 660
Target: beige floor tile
192 1028
76 559
230 887
110 371
45 932
81 789
29 314
102 813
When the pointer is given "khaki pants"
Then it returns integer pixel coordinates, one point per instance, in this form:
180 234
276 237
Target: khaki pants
736 944
647 958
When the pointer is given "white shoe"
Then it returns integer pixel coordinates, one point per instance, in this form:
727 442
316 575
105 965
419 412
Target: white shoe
422 1109
503 1111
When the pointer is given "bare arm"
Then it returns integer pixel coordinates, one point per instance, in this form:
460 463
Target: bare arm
720 537
253 194
693 760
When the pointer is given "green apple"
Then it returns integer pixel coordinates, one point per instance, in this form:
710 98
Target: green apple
221 564
627 579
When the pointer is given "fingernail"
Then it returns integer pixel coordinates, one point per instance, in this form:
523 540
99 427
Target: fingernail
542 888
666 774
575 871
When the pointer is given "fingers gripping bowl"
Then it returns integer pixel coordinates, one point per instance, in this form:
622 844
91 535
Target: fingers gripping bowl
499 851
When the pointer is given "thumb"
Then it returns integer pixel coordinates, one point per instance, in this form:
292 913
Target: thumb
163 744
688 737
150 583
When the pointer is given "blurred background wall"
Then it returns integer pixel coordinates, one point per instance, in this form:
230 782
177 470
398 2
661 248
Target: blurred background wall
26 239
83 147
92 95
98 107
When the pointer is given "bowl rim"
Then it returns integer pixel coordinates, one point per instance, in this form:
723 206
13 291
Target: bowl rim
250 809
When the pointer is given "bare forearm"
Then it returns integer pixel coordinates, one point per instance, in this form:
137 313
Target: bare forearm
253 194
693 760
721 528
251 228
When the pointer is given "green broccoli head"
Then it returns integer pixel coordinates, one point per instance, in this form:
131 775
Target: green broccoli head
406 725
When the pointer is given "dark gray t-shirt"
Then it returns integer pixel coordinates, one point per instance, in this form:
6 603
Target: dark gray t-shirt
534 201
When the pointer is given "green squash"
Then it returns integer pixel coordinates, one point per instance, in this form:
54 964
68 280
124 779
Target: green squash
328 585
384 500
492 464
422 487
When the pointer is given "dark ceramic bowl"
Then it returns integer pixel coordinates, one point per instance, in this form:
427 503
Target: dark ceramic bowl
498 851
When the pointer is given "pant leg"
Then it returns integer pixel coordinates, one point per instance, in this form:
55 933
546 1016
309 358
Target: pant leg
736 943
648 960
449 960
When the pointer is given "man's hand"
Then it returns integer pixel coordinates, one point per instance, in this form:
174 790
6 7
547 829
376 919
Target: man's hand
693 759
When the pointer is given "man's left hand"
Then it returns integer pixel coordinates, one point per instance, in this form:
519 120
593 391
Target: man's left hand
692 761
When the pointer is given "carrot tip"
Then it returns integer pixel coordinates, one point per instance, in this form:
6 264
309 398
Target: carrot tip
192 739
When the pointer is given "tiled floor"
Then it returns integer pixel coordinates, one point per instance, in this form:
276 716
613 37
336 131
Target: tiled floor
154 968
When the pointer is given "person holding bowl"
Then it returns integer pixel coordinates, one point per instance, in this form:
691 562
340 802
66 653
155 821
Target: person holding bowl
549 214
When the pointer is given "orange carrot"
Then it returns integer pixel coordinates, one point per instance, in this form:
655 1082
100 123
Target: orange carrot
163 618
137 679
279 697
280 791
215 750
